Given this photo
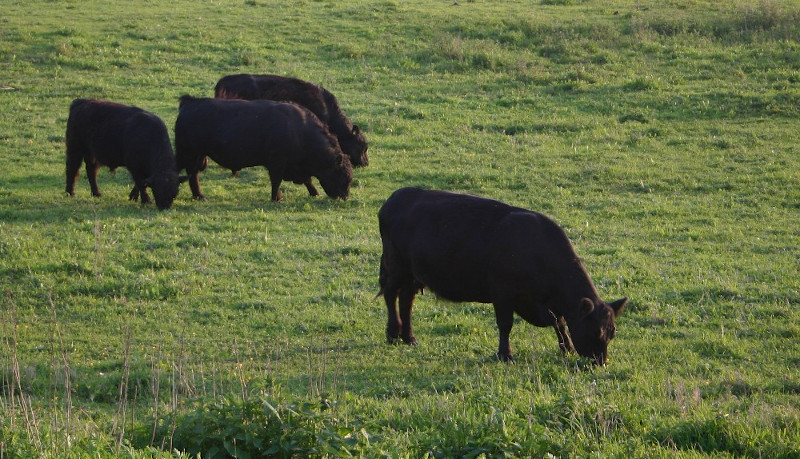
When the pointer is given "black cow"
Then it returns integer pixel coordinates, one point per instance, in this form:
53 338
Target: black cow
315 98
286 138
467 248
102 133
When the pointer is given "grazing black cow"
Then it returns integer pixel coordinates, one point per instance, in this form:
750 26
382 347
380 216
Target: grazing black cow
467 248
315 98
286 138
102 133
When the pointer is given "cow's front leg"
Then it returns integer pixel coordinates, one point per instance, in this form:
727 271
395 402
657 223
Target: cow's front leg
312 190
134 194
139 188
407 294
564 340
143 191
505 320
275 179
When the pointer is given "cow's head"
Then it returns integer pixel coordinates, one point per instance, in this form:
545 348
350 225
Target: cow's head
165 188
354 145
594 328
336 180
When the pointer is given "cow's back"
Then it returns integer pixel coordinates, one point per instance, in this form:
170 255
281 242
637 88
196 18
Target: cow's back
276 88
315 98
237 133
241 86
96 128
284 137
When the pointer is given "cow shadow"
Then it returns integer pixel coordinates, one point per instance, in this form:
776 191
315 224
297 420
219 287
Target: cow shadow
40 198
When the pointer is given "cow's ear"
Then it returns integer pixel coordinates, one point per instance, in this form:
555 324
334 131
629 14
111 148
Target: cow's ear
618 306
356 130
587 306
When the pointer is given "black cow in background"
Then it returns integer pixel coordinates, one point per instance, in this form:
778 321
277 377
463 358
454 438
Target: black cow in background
315 98
102 133
286 138
467 248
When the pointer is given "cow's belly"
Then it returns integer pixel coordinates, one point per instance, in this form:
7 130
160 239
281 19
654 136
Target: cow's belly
235 161
535 314
453 279
110 156
457 293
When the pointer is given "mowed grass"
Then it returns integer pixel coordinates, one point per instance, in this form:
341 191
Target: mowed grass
663 136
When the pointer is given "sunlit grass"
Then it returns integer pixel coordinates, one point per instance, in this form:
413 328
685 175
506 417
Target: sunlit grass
663 137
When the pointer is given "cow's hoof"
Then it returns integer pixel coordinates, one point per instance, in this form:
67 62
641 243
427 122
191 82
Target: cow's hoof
566 350
410 341
199 197
507 358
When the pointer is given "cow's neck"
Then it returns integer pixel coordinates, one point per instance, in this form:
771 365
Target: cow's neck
576 286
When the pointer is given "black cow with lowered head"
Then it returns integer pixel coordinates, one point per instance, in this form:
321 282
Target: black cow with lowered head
468 248
286 138
102 133
315 98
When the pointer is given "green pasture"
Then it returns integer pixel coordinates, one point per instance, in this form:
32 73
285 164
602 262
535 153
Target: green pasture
664 136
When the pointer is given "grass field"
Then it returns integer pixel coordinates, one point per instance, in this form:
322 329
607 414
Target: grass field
663 136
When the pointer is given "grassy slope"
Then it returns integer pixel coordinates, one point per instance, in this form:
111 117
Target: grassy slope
665 140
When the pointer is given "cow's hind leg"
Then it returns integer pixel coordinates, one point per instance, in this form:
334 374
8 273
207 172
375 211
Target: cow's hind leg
398 325
406 299
389 292
73 169
393 322
193 173
91 174
194 185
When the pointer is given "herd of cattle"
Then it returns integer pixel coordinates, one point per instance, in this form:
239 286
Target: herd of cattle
462 247
295 129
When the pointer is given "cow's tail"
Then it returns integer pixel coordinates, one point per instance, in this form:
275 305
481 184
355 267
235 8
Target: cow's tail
382 278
